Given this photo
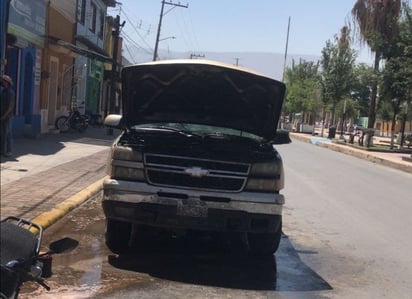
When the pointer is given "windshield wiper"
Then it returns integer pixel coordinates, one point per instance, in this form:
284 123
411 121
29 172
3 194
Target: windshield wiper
186 133
181 131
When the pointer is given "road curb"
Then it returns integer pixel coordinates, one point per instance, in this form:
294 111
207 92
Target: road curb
356 153
48 218
366 156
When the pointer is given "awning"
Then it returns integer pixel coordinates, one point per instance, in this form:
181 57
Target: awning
82 51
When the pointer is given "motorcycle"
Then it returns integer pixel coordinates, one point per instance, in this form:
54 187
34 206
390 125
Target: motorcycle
21 259
75 120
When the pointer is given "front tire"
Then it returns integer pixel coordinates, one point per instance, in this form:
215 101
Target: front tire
83 123
62 124
265 243
117 235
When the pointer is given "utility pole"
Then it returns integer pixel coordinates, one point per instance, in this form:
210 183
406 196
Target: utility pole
237 61
114 73
160 24
286 50
196 56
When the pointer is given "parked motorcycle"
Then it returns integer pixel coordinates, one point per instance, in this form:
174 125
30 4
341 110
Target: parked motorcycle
21 259
75 120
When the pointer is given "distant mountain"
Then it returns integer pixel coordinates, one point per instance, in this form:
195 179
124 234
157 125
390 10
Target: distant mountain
268 64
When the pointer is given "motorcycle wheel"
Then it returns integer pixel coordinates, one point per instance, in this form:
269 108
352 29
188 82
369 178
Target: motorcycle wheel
62 124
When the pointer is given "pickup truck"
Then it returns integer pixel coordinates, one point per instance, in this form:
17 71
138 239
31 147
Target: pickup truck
196 154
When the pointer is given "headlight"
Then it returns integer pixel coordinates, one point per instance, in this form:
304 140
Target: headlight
127 173
126 164
268 169
127 154
263 185
266 177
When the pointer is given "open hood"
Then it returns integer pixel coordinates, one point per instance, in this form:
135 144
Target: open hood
201 92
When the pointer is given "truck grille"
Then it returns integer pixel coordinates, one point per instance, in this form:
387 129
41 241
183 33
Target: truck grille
192 173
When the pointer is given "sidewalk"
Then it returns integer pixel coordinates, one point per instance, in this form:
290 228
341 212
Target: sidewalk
393 160
49 176
45 172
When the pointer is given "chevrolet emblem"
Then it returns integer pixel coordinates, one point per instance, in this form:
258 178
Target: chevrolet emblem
197 172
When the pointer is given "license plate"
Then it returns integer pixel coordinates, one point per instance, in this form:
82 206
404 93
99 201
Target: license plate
191 208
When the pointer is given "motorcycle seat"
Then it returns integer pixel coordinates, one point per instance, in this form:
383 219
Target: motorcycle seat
17 242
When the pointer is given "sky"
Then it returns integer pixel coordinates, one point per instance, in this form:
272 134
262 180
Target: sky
235 25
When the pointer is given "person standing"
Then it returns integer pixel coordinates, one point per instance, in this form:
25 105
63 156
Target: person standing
7 98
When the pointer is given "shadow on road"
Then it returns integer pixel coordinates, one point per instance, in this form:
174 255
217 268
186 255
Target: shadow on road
200 262
293 274
212 263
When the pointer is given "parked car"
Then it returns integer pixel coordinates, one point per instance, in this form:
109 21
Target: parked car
196 154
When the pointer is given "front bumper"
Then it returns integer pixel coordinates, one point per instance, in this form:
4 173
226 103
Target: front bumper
140 203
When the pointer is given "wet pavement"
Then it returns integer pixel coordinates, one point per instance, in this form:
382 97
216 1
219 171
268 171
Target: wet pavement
167 267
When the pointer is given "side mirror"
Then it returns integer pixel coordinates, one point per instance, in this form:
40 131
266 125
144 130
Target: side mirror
113 121
282 137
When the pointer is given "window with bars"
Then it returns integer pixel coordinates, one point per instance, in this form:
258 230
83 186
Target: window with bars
101 24
93 18
81 11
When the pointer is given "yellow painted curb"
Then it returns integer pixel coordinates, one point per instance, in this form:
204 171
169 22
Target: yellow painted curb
48 218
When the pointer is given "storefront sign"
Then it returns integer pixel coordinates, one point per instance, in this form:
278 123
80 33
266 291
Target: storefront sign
27 19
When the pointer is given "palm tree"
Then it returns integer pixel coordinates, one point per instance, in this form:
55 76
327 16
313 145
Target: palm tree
377 26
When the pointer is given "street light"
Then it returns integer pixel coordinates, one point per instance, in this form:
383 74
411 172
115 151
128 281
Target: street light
162 39
169 37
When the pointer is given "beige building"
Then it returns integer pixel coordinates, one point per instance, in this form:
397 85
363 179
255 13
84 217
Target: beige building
57 62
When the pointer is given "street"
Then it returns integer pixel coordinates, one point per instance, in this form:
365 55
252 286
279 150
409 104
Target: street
347 235
350 219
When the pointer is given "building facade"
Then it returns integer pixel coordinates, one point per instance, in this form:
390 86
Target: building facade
55 51
57 62
22 61
90 35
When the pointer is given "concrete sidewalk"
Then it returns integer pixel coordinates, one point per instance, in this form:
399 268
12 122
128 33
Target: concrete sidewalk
394 160
49 176
46 173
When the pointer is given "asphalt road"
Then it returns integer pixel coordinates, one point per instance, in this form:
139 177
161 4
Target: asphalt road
350 221
347 232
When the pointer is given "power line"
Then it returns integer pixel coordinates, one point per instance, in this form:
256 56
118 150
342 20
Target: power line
185 25
130 54
179 19
136 30
133 42
193 30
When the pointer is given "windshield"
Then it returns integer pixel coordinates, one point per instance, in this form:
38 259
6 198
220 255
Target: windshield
198 129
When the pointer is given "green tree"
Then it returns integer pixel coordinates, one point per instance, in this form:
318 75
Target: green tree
361 88
377 26
396 84
337 63
301 87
